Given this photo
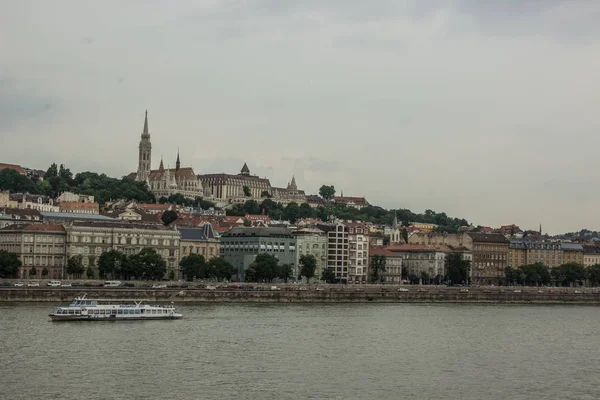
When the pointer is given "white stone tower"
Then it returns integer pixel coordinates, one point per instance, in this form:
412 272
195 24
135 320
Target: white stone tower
145 156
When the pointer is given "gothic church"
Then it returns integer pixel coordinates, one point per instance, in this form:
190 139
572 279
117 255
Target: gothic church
164 182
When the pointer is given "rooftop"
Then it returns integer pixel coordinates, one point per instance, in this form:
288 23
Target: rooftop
74 216
244 231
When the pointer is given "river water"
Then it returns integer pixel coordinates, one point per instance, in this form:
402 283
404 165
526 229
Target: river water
354 351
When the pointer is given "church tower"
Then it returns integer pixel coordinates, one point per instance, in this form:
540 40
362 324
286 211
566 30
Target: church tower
145 155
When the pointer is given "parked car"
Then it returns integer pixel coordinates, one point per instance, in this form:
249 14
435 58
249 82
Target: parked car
65 285
517 291
159 286
53 284
210 287
320 289
19 284
302 288
402 289
33 284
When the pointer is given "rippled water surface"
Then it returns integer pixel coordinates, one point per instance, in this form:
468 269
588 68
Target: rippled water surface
368 351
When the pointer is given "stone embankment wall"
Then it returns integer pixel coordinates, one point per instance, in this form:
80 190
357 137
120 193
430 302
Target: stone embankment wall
329 295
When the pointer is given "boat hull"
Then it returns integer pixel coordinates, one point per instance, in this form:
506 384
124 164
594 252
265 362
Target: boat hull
59 318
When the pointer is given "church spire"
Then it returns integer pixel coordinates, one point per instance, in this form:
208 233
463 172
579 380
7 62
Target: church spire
395 222
245 170
293 183
146 133
161 167
177 163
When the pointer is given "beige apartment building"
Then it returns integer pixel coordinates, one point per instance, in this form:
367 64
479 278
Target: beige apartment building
89 239
358 252
40 247
337 250
200 240
311 241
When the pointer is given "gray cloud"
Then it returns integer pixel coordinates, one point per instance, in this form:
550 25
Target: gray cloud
483 109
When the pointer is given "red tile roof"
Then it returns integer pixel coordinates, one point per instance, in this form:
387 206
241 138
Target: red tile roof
15 167
161 207
76 205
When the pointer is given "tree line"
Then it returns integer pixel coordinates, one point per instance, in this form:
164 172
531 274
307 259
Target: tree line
569 274
195 266
60 179
145 265
375 214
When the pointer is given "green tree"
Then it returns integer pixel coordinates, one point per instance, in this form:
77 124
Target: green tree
9 264
163 200
75 266
424 278
171 275
457 268
178 198
265 267
32 272
148 265
111 263
89 272
594 274
192 266
568 274
222 269
327 192
13 181
378 265
285 272
291 212
45 273
328 275
52 171
247 191
404 234
247 223
251 207
265 193
169 217
308 266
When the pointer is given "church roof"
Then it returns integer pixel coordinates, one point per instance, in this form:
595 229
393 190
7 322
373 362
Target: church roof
179 174
223 177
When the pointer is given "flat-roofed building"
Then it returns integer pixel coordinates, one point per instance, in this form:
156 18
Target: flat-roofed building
241 245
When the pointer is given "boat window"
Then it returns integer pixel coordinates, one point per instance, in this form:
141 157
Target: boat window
137 311
71 312
77 311
119 311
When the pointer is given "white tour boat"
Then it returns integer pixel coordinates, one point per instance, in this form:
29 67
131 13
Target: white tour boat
84 309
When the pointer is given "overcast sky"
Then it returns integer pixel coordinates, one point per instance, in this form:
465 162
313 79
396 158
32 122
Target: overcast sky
473 107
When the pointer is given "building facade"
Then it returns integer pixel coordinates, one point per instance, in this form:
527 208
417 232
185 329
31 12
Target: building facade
230 188
591 255
89 239
40 247
241 245
200 240
572 253
78 207
392 273
311 241
525 252
338 244
490 258
448 239
289 194
11 216
28 201
358 252
164 182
